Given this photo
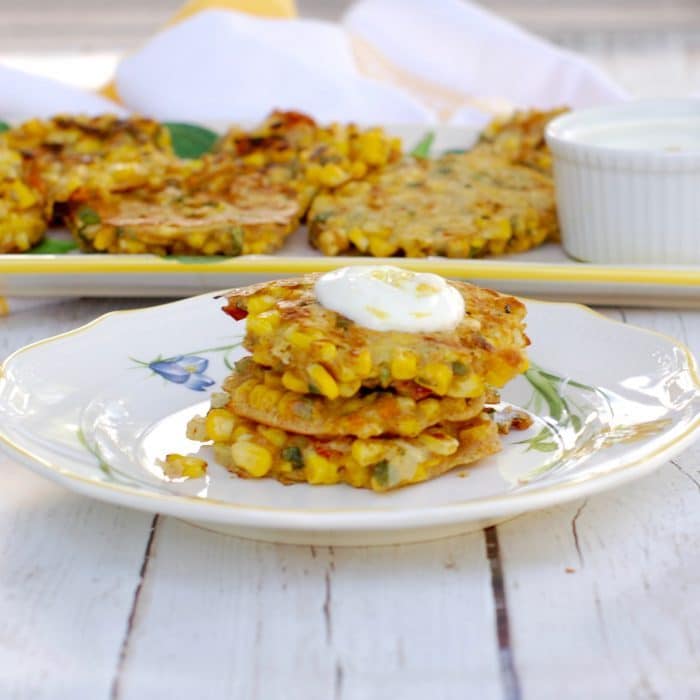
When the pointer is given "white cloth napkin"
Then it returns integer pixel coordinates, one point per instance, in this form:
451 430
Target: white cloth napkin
224 65
479 62
386 61
23 95
396 62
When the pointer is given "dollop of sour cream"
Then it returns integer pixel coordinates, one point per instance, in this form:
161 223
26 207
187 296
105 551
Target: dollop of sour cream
387 298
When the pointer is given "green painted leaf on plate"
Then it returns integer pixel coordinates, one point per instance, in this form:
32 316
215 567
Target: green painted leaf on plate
53 246
190 140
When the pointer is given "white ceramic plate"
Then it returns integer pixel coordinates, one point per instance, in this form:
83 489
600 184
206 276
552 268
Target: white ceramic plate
544 272
95 409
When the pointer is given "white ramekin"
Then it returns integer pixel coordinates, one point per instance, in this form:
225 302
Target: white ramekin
635 202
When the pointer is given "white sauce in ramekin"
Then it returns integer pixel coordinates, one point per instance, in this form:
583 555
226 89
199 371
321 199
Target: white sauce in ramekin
387 298
661 135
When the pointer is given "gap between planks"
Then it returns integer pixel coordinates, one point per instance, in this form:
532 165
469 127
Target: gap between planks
508 670
124 649
506 658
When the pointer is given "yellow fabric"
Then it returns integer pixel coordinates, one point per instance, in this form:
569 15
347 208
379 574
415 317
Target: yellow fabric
263 8
284 9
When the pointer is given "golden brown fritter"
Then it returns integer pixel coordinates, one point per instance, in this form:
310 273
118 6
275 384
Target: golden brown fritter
251 449
459 205
519 138
319 351
260 395
173 221
22 222
71 157
292 148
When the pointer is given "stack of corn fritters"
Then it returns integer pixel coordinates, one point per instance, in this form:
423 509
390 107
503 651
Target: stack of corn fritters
324 400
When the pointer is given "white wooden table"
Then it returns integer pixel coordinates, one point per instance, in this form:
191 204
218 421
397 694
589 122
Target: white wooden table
594 599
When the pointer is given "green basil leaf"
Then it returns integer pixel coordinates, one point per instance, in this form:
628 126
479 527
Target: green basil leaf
422 149
190 140
53 246
4 126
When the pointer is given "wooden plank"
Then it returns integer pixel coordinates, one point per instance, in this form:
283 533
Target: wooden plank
268 621
70 565
604 593
68 573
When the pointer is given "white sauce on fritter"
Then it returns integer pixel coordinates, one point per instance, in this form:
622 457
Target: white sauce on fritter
387 298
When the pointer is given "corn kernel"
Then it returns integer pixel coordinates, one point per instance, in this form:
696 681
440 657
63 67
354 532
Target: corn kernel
345 373
257 396
501 230
323 350
24 197
363 364
273 435
366 452
241 432
129 245
358 239
358 169
404 364
430 408
259 303
243 390
347 389
264 323
294 383
256 460
182 466
197 429
222 453
421 473
196 240
212 248
262 356
409 426
436 376
220 399
319 470
497 247
314 172
270 399
255 159
332 175
355 474
104 238
323 381
220 424
380 248
372 147
300 340
466 387
440 444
